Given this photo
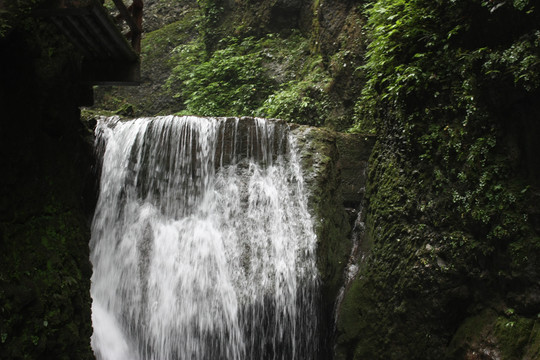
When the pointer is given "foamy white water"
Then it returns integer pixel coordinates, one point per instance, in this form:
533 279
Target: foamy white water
202 245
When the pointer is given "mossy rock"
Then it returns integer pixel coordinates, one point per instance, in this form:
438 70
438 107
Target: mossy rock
491 334
47 199
325 155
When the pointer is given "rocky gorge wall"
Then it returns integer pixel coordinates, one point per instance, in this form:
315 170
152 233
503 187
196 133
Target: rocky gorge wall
451 245
451 223
46 199
48 190
335 170
48 194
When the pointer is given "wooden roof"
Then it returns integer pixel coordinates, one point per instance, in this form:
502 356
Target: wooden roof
109 57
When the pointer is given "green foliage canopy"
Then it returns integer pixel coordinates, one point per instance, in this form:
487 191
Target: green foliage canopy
431 69
230 82
270 77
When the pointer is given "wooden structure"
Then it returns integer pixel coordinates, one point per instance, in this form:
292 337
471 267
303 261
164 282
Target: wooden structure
111 57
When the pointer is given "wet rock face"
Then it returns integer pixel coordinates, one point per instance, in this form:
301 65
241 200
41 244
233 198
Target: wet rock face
284 14
240 139
354 150
334 167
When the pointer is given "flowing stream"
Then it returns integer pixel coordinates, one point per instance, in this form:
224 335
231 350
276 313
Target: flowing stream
202 245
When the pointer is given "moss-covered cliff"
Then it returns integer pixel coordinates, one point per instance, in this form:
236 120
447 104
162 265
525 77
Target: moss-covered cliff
46 197
327 159
452 221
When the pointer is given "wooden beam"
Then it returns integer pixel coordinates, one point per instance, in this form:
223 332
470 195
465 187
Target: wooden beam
59 22
126 15
100 33
86 35
116 35
108 56
111 73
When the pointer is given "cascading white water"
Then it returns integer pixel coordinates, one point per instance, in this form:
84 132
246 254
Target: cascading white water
202 245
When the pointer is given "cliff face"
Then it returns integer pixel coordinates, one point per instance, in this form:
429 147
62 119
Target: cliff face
452 226
334 166
46 199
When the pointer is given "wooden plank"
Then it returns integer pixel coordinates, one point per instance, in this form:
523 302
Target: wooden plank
135 28
86 36
60 23
99 32
109 58
116 35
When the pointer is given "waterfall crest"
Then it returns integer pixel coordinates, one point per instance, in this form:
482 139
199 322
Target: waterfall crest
202 245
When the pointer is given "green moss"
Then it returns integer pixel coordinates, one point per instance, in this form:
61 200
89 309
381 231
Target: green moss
513 334
532 350
319 155
156 45
448 219
509 335
353 306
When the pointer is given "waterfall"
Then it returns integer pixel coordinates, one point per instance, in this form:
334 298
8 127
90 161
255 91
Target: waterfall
202 244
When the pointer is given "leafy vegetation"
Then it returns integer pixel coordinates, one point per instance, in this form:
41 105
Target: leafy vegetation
268 77
230 82
225 59
14 14
429 78
447 83
303 100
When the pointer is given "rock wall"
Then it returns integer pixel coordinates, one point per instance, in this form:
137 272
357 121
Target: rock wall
452 234
335 167
48 185
46 197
